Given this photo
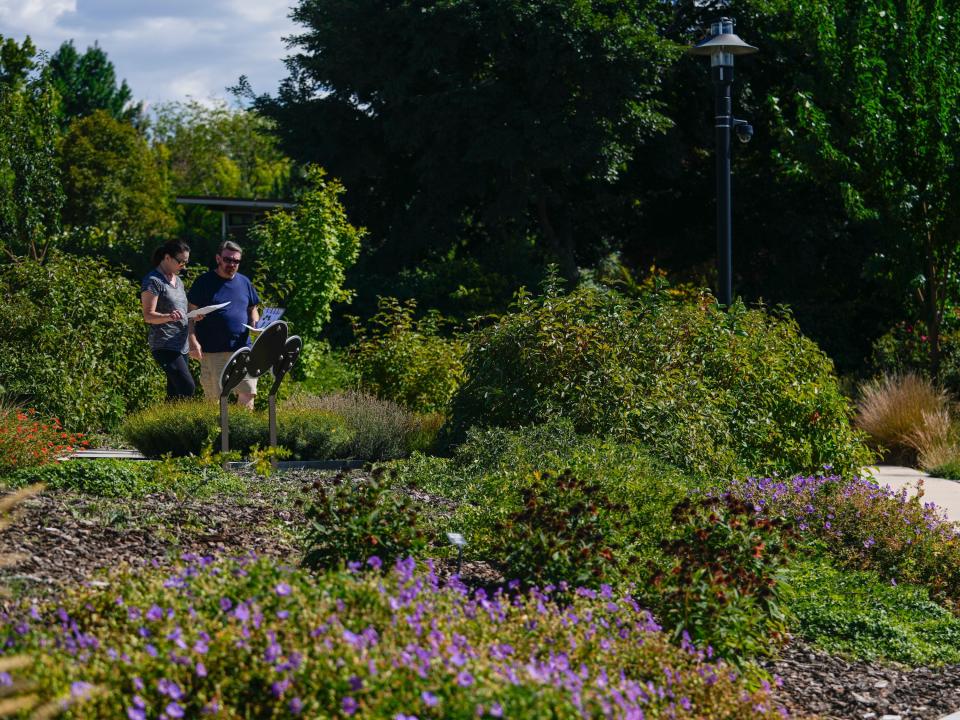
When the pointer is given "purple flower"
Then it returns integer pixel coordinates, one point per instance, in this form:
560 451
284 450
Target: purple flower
225 604
136 714
200 670
155 613
464 679
282 589
80 690
174 710
374 562
429 699
296 706
170 689
349 705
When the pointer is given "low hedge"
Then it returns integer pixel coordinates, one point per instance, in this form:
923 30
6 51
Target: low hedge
190 428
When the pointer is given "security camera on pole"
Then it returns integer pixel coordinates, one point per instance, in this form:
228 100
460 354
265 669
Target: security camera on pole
721 46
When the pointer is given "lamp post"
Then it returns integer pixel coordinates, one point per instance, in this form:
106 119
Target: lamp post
722 45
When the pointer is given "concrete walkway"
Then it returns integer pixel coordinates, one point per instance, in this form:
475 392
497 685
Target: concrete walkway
945 493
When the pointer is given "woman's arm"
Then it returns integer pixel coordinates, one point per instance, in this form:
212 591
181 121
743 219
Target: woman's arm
148 301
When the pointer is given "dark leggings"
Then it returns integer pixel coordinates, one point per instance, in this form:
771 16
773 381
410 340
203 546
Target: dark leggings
180 382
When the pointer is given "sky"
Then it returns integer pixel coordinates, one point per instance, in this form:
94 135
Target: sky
166 49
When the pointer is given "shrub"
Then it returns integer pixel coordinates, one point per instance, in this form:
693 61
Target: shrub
360 517
190 428
716 393
380 429
27 440
867 527
73 343
551 491
177 429
906 414
321 371
562 532
183 477
252 640
303 254
406 360
722 584
860 615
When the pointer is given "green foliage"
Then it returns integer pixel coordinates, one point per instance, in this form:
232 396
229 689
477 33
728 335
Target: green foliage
860 615
538 121
562 532
321 370
716 393
876 116
722 585
254 640
196 477
193 427
73 342
354 519
406 360
30 192
379 429
117 195
949 470
558 492
87 82
303 253
220 151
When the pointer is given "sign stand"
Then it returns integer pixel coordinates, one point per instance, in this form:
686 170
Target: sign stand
273 350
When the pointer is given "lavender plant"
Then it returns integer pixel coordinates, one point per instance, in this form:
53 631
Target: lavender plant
247 639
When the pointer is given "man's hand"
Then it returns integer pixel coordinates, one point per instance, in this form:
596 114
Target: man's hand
195 351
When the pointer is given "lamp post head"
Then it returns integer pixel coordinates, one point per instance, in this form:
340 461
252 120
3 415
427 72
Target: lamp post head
722 44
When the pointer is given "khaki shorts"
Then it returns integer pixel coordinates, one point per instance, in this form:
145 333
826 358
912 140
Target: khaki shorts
211 367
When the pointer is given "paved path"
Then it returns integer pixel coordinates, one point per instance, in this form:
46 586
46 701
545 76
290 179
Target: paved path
945 493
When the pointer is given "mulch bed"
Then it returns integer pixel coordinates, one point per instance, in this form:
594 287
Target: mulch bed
63 541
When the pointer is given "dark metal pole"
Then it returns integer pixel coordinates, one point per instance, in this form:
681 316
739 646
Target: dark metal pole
723 80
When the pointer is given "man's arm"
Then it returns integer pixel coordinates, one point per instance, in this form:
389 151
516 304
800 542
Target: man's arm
253 314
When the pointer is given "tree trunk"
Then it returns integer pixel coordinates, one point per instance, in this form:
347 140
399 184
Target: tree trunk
561 244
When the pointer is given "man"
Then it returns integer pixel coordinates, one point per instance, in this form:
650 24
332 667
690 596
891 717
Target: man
221 333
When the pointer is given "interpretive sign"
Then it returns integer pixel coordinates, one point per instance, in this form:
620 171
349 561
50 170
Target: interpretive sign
273 351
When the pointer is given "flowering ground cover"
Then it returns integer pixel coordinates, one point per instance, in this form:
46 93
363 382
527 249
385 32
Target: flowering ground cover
867 527
248 639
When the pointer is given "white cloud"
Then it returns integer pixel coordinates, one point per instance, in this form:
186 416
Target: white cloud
24 15
166 49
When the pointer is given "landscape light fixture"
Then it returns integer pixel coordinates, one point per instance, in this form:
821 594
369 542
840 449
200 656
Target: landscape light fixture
722 45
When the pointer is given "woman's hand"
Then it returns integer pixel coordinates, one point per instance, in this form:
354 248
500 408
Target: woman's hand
176 315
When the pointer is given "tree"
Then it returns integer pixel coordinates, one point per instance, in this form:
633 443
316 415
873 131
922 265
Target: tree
220 151
457 120
877 114
30 192
117 194
87 82
303 254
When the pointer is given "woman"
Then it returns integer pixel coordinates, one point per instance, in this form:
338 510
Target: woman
164 303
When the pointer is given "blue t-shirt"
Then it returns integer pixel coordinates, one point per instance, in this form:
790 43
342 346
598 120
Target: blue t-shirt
223 330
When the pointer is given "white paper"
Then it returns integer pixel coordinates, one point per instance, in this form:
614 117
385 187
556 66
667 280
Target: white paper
206 310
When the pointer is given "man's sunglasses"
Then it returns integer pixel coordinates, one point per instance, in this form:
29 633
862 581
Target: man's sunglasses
230 261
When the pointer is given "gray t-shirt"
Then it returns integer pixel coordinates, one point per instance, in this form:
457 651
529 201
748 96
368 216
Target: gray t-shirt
171 335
